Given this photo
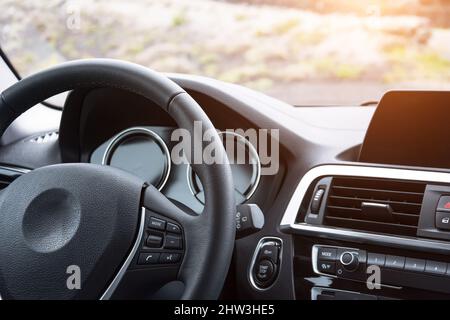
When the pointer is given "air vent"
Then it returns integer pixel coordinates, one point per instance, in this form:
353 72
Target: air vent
385 206
46 137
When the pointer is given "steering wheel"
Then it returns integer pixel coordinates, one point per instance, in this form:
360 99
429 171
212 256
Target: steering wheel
83 231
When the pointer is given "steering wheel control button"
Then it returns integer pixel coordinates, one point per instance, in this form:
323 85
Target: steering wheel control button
173 228
328 254
169 257
395 262
435 267
173 242
162 239
155 223
149 258
265 270
327 267
154 241
376 259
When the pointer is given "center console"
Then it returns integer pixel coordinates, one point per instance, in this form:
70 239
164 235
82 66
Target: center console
351 221
379 228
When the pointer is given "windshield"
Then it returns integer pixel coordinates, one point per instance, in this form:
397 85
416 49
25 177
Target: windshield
302 52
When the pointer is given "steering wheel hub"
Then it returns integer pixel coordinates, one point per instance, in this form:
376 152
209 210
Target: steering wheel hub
51 220
62 216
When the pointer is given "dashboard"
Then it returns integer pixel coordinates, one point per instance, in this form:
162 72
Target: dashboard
336 207
146 152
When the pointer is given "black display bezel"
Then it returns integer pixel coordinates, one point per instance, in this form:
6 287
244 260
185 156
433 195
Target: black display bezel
410 128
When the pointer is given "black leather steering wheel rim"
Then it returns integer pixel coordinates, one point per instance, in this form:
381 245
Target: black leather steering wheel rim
206 264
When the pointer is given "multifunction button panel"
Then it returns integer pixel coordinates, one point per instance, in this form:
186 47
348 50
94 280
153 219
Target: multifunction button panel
266 263
162 242
339 262
352 264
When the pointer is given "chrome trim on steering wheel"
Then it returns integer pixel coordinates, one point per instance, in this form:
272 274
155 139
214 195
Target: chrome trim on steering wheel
115 283
14 169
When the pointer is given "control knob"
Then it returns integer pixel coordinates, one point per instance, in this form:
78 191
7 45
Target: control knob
349 260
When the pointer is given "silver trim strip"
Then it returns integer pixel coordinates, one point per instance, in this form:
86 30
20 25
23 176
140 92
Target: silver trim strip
264 241
15 169
289 217
316 291
114 284
142 130
373 238
374 204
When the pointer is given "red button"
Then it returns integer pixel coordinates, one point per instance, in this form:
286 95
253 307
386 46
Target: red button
444 203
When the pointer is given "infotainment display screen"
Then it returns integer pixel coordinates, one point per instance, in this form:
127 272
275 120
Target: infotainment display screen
410 128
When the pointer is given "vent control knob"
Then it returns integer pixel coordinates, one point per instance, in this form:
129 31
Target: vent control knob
349 260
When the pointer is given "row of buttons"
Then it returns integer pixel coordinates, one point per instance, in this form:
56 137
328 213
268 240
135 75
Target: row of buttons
408 264
158 258
156 239
171 242
327 255
161 235
159 224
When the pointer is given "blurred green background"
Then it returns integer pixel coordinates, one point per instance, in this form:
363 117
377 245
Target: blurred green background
303 52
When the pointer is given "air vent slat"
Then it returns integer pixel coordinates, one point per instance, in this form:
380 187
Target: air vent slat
355 213
390 228
400 201
374 222
413 197
401 207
